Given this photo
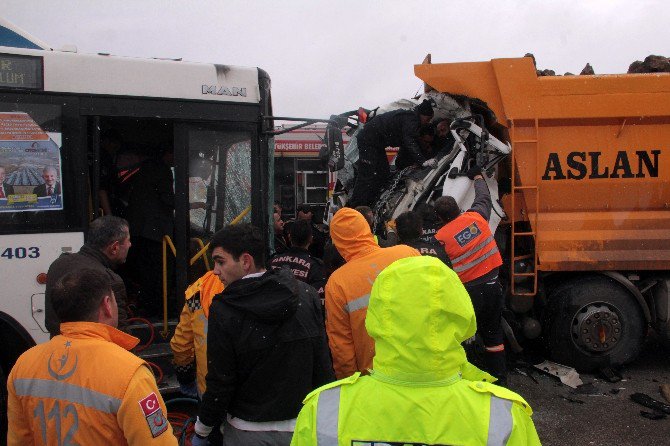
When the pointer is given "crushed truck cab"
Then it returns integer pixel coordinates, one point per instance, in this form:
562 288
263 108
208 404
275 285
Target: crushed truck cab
584 218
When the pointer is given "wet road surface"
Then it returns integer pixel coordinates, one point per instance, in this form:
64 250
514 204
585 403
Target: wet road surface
600 412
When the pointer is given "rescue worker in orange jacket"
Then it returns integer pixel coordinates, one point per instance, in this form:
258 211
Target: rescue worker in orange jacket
83 386
348 290
474 256
189 343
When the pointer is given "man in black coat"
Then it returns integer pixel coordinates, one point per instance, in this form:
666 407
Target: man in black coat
306 212
297 258
266 345
6 189
398 128
410 228
106 248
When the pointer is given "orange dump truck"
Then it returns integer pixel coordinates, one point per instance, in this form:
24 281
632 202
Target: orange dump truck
588 230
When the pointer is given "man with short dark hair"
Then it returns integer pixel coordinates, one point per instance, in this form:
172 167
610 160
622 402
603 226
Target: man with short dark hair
474 254
306 212
106 248
266 346
85 380
409 226
297 258
431 222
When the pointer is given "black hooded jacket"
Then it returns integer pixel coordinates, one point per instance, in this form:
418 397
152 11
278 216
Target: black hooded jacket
397 128
266 349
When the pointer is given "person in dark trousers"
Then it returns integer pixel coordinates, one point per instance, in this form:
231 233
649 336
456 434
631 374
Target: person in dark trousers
397 128
106 248
306 212
150 214
266 345
475 257
409 226
297 258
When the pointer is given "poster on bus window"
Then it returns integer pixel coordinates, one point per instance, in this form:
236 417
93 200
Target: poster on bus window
30 166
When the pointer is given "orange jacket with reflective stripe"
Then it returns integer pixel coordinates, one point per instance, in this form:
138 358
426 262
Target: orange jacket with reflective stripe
470 246
84 387
189 342
348 290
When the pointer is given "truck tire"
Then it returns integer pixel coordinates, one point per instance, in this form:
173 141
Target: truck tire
594 323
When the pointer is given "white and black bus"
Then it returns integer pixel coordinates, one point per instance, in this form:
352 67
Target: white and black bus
70 121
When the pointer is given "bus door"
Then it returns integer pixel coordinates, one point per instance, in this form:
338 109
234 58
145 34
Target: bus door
42 201
216 186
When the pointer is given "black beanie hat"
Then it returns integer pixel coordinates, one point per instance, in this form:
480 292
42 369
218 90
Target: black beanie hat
425 108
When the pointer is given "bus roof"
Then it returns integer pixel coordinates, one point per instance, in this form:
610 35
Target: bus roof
30 64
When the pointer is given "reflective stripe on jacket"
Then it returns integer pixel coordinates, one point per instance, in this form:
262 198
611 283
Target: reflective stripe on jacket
348 290
189 342
84 387
368 411
470 246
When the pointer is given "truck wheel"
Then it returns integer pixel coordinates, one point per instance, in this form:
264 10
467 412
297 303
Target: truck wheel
595 323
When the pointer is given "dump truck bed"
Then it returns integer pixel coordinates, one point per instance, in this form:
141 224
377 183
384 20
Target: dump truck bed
591 159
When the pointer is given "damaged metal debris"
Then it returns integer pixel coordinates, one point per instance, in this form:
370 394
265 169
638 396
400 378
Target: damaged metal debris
567 375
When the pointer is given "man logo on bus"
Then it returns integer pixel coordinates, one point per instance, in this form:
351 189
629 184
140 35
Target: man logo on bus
224 91
468 234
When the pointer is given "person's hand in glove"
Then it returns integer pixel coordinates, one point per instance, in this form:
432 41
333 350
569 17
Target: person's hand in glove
474 171
190 389
432 163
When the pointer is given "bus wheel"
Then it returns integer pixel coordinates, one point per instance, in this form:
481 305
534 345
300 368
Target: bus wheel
595 323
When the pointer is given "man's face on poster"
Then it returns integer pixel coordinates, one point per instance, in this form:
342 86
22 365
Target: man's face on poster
49 177
2 174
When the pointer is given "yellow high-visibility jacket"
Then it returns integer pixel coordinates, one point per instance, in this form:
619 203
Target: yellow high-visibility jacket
189 342
83 387
422 390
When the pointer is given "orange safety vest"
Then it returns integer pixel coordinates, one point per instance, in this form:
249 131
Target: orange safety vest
470 246
84 387
189 341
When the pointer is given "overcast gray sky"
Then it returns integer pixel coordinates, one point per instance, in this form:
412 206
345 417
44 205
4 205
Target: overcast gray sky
327 57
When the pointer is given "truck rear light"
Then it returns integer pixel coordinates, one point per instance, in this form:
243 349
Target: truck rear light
41 278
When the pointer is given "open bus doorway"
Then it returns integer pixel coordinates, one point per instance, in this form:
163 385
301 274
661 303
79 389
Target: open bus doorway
134 174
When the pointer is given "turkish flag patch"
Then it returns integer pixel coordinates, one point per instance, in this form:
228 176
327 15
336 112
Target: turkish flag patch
154 415
149 404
